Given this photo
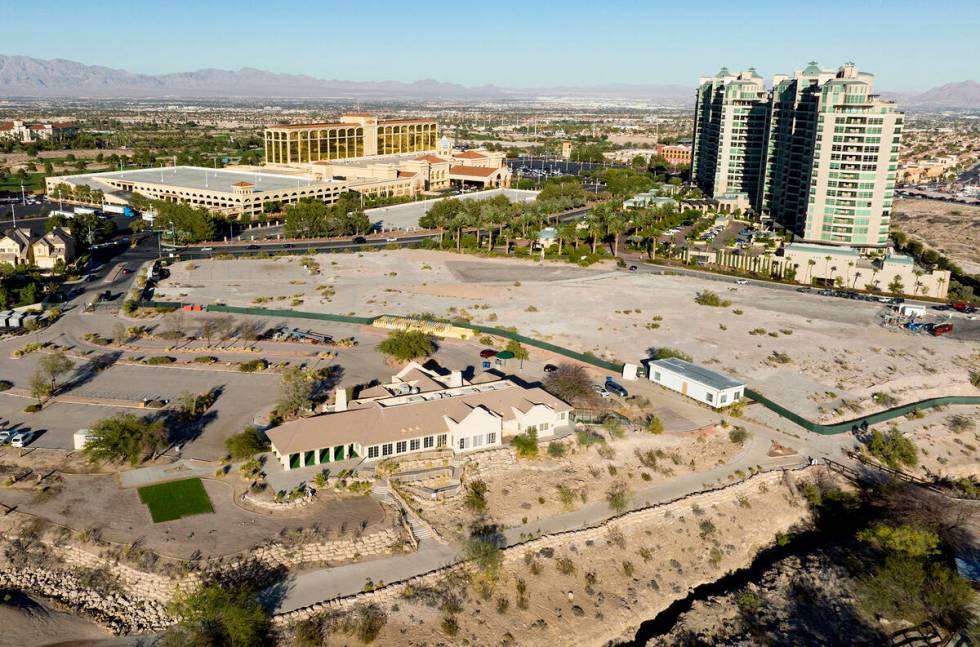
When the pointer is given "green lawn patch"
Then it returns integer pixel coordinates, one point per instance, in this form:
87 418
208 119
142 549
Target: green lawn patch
176 499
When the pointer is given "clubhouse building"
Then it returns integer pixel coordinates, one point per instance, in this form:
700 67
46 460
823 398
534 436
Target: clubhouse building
420 410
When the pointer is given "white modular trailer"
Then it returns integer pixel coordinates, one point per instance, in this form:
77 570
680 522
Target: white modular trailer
714 389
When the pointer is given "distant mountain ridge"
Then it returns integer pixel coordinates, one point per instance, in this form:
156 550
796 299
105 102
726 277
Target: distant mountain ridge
23 76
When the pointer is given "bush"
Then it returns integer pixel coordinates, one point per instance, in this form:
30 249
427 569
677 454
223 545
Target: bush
5 385
570 382
738 435
159 360
405 345
245 444
665 353
655 425
617 496
253 366
526 444
205 359
234 614
565 566
32 408
893 449
476 499
709 298
557 449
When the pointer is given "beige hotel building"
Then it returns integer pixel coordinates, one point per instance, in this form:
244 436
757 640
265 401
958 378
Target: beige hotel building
355 135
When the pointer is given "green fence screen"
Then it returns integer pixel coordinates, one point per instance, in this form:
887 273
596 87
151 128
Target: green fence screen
588 358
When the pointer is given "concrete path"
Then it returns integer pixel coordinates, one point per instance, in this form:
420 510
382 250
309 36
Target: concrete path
329 583
181 469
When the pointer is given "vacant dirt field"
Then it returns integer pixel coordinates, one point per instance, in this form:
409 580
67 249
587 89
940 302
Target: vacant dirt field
953 229
96 502
948 441
832 354
520 491
594 587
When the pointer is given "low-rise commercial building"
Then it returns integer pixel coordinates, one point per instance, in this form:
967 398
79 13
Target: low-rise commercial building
354 135
231 191
420 410
675 154
704 385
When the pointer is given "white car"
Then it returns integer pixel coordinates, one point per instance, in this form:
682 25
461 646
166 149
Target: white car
5 437
22 439
391 240
741 282
601 390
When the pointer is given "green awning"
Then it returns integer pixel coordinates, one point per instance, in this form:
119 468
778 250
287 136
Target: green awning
505 354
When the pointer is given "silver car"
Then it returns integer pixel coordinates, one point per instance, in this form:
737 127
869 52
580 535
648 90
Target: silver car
22 439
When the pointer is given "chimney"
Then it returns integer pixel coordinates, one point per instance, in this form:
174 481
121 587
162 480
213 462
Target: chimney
340 399
455 379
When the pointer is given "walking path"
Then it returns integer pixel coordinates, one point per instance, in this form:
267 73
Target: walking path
328 583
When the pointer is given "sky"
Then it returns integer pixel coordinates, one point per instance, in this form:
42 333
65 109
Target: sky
909 46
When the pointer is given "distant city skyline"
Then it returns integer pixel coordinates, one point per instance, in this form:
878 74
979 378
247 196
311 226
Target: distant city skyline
512 44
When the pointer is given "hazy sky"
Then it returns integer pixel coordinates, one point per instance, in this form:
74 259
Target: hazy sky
908 45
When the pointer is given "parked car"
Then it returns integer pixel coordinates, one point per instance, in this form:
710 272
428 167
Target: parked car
632 268
92 277
359 240
601 390
126 271
741 282
804 289
940 329
5 436
550 368
253 246
940 307
289 245
22 439
487 353
615 387
391 240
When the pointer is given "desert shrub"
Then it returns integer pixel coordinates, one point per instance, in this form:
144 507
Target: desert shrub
565 566
655 425
159 360
617 496
709 298
665 353
526 444
738 435
205 359
253 366
476 499
893 449
557 449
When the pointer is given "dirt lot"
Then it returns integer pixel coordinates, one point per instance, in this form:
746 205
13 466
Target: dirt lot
520 491
34 622
832 351
953 229
947 440
589 591
95 501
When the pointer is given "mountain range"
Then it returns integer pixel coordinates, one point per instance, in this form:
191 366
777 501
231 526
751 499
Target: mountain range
23 76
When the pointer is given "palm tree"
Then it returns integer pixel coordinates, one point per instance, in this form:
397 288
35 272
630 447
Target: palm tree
616 224
847 278
939 285
809 270
826 267
857 275
918 281
596 222
566 233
